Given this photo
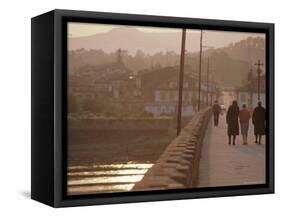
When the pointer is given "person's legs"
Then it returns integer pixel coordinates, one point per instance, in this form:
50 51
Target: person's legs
256 139
246 132
242 125
216 119
260 139
229 139
233 142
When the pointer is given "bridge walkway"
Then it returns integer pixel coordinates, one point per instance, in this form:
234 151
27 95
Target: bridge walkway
225 165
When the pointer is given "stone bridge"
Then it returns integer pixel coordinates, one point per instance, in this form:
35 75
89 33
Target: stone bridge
178 166
201 157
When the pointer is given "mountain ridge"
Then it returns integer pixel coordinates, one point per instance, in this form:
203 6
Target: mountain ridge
132 39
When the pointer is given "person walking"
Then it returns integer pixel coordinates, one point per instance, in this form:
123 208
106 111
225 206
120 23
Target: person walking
244 116
258 120
216 112
232 122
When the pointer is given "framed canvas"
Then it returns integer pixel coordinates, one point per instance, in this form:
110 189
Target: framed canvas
134 108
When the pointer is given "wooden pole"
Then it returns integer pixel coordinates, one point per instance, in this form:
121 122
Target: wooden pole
200 67
208 71
259 64
181 80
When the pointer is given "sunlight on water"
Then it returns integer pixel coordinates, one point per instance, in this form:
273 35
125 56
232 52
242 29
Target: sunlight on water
106 179
110 172
114 166
100 178
99 189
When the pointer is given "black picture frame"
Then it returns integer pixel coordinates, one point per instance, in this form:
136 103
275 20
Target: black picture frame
49 107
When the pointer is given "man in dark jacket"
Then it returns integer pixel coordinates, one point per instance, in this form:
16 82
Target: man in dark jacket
232 122
259 122
216 112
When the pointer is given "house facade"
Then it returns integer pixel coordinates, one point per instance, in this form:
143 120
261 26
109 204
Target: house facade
166 97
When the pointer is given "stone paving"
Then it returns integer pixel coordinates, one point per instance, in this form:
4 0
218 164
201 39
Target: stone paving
224 165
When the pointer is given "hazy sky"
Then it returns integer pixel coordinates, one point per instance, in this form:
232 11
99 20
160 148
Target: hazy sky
169 40
86 29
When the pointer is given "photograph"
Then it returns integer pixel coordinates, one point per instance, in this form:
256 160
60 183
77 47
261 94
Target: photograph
140 108
157 108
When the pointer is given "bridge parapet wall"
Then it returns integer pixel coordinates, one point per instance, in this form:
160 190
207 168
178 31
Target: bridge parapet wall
178 165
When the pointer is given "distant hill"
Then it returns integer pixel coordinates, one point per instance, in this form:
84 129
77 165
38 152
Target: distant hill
250 49
231 63
132 39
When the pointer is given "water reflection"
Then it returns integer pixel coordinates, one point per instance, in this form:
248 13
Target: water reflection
107 180
110 172
99 189
102 178
116 166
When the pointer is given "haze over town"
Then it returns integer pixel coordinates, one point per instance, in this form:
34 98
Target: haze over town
128 106
231 54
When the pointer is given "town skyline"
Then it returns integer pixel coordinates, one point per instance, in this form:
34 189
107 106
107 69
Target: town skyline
230 65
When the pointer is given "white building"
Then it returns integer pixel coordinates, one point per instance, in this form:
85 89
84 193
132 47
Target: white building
165 97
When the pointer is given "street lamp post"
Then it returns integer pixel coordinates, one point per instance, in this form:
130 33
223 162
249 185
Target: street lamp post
208 81
250 87
259 64
200 71
181 79
208 71
213 88
200 67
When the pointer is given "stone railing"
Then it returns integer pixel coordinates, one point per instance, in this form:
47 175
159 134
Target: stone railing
178 165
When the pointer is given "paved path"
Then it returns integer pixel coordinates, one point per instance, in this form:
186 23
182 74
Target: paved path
224 165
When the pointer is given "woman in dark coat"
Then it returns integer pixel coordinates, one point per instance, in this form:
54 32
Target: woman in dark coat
259 122
232 122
